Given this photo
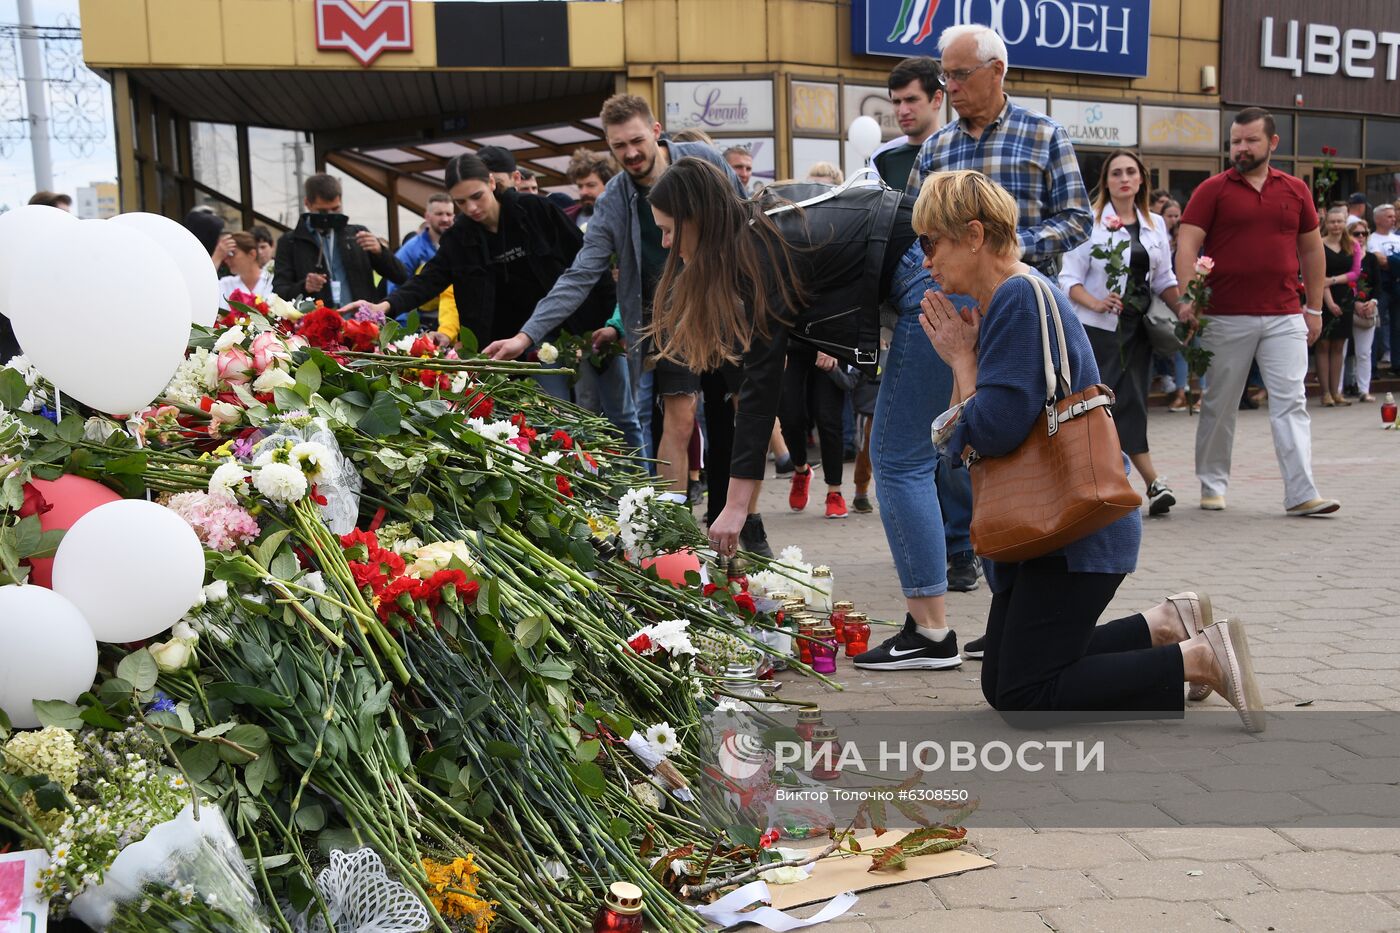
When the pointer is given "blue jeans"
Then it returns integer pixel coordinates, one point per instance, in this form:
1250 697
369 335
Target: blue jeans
646 402
556 386
914 390
610 392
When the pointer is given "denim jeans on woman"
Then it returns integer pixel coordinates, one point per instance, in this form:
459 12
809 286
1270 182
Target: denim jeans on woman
925 502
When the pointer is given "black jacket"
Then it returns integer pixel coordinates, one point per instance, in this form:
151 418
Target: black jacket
463 261
299 249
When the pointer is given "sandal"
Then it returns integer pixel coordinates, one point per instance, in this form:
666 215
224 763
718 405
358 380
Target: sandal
1327 400
1227 640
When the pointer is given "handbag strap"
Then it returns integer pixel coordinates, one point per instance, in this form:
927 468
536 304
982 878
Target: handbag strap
1057 378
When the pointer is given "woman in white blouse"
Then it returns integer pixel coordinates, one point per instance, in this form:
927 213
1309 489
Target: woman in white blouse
248 275
1111 279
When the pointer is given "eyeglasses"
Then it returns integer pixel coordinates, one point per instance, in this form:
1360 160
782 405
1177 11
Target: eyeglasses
927 243
961 75
1360 233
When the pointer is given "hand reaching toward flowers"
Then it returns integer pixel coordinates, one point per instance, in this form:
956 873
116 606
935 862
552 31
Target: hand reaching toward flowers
508 349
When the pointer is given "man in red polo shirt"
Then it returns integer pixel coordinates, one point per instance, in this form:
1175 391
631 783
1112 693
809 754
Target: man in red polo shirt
1259 225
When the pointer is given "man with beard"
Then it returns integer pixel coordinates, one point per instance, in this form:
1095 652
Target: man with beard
590 172
422 247
1259 226
623 226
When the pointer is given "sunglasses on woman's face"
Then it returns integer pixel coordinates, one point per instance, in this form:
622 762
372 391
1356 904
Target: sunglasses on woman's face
927 243
1360 233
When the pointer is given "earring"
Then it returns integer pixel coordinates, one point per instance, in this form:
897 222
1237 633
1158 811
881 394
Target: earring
974 249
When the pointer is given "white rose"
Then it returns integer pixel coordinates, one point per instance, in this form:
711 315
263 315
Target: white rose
234 335
183 631
273 378
437 556
216 592
225 413
173 655
548 353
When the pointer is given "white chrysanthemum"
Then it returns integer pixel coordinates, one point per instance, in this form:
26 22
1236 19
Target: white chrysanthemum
227 480
313 458
235 335
662 738
274 453
498 431
404 344
273 378
548 353
280 482
671 636
460 383
553 457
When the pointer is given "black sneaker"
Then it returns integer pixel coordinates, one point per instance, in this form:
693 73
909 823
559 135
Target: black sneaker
910 651
862 505
695 493
1159 497
753 538
783 465
963 569
973 649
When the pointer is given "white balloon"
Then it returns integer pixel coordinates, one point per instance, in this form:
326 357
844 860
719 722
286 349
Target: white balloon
107 314
133 568
190 256
864 135
47 651
18 228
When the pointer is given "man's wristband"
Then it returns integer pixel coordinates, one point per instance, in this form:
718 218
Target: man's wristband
1312 312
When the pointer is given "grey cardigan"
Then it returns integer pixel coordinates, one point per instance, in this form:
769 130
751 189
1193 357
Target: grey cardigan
614 230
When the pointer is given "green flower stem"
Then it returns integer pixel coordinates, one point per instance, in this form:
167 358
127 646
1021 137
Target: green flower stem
251 833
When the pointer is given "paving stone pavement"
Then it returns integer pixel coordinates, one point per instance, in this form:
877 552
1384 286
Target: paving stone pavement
1316 595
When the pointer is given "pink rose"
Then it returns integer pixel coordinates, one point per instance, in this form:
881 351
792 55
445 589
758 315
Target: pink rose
521 444
269 349
1204 265
234 366
1112 224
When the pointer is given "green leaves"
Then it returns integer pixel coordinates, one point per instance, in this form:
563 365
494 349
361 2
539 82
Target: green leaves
253 738
383 418
589 779
530 630
58 713
139 669
13 389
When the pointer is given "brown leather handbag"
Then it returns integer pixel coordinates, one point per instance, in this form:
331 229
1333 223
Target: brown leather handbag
1066 480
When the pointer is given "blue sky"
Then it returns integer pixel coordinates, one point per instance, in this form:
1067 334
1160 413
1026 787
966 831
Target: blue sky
70 170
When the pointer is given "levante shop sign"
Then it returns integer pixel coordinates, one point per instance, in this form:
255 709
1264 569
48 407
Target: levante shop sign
1108 37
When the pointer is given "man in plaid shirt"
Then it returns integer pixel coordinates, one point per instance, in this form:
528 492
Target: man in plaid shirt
1028 154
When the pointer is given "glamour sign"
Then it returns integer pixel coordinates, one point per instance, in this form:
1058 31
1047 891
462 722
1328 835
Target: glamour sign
1101 37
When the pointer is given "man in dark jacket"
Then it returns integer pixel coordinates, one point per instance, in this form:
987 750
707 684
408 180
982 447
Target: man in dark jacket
327 258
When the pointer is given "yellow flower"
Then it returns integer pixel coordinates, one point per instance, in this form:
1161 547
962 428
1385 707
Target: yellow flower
601 526
452 891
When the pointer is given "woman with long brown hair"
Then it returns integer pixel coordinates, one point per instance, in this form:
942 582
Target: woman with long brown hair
736 287
1111 297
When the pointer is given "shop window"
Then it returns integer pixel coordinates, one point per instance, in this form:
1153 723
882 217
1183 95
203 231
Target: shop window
1383 140
214 151
363 205
1340 133
279 161
1283 125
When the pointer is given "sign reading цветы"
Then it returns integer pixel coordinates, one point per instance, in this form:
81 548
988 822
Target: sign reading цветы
1107 37
720 106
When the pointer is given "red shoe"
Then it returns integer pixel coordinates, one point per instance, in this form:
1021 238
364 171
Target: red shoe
801 482
835 505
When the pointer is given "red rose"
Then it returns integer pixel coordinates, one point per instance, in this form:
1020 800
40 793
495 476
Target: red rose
34 502
361 336
423 346
768 838
745 602
711 589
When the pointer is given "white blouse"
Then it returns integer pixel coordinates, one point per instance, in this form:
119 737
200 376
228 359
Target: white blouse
1081 268
233 283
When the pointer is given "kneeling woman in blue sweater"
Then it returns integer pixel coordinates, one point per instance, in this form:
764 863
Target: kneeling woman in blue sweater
1044 648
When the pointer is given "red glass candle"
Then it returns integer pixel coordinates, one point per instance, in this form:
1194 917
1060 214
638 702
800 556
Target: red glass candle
621 911
839 611
826 754
1388 409
857 634
806 630
809 718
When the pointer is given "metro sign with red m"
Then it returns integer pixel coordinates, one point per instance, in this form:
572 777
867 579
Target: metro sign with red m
386 26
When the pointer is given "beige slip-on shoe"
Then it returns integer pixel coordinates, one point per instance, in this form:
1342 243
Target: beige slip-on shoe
1227 639
1315 507
1195 613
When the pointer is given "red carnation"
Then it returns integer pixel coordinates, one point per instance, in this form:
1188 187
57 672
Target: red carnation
322 328
562 438
745 602
711 589
527 432
368 538
768 838
481 405
561 483
641 644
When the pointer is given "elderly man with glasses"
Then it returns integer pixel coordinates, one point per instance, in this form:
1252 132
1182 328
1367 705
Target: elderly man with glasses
928 523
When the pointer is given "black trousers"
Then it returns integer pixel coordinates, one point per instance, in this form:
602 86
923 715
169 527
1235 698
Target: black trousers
1045 650
804 384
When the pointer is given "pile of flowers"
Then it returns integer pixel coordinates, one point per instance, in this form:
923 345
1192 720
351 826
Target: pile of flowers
397 588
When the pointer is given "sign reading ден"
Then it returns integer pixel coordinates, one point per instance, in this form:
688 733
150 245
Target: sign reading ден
1107 37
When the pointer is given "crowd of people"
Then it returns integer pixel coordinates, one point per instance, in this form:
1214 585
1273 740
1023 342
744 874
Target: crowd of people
672 255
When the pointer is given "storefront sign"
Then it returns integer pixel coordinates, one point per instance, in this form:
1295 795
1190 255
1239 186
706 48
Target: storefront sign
720 106
814 107
1036 104
1178 128
386 26
1091 123
1107 37
1341 55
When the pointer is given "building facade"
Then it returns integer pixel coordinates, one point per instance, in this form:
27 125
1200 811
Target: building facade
233 102
98 201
